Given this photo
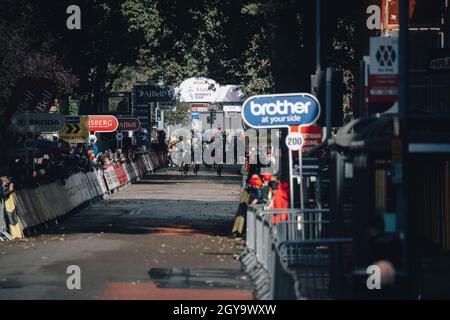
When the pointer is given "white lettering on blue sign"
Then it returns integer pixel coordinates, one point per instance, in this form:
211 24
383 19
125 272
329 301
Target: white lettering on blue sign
281 111
280 107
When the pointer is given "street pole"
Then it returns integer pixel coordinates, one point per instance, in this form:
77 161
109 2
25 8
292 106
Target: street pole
328 99
318 37
402 190
211 119
156 118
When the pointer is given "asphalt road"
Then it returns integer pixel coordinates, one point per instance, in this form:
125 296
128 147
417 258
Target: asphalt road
164 237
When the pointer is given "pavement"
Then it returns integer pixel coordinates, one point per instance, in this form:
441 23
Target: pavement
164 237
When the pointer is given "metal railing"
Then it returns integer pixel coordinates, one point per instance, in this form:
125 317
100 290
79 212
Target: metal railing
297 251
429 95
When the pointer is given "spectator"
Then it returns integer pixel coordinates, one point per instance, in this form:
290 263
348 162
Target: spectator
280 201
383 246
244 173
9 200
266 189
251 195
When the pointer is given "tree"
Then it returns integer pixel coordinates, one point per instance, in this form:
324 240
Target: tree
109 40
265 45
24 54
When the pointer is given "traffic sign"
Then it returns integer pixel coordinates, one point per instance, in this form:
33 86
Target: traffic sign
167 106
103 123
384 76
200 107
129 124
310 167
76 130
232 108
119 136
195 115
73 128
312 137
37 122
294 141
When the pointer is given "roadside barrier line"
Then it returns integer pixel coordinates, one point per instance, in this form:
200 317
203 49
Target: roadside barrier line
48 202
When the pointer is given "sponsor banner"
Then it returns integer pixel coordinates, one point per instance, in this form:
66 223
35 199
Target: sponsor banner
46 202
229 93
37 122
129 124
144 94
75 130
120 173
281 111
198 90
103 123
31 95
439 60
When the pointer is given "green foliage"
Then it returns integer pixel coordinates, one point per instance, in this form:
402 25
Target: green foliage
180 116
264 45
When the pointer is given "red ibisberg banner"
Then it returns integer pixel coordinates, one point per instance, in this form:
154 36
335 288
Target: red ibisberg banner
103 123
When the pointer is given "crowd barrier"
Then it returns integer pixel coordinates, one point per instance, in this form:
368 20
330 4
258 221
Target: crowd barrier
48 202
297 258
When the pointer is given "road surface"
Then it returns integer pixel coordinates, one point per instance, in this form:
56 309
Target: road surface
164 237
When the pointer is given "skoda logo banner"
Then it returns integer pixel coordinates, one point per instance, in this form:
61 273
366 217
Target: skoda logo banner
281 111
37 122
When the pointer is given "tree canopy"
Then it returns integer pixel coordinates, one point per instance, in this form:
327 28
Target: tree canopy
264 45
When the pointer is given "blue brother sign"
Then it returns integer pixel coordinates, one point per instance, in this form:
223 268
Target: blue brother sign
281 111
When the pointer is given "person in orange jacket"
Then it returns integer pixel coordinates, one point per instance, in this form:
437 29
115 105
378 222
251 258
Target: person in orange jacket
280 201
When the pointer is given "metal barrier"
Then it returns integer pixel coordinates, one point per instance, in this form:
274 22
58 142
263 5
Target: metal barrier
315 267
251 227
295 252
429 94
48 202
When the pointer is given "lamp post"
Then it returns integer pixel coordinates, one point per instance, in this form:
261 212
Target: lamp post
318 37
402 190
